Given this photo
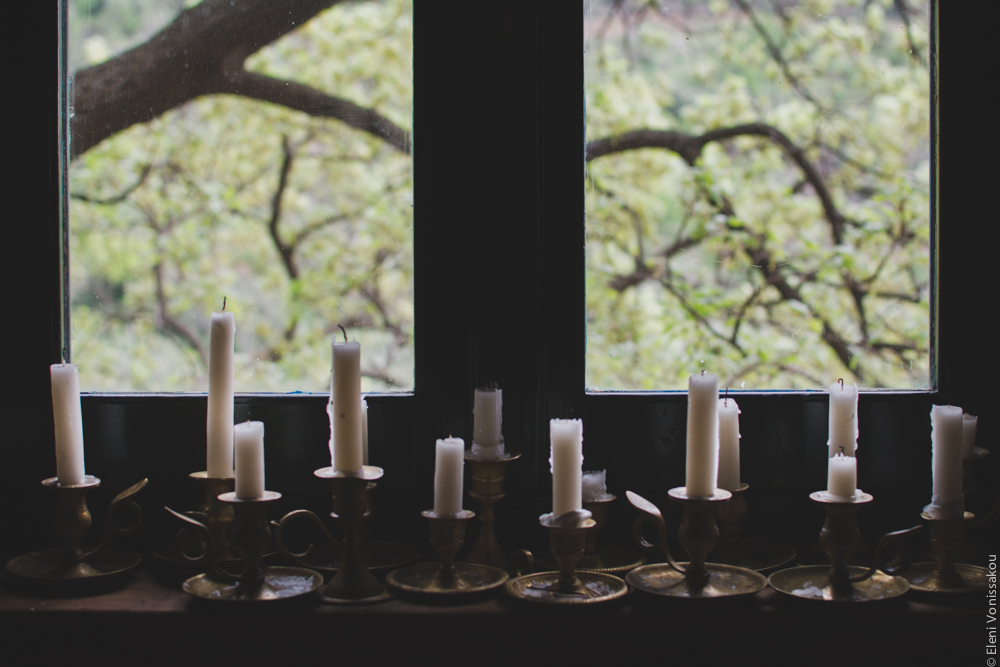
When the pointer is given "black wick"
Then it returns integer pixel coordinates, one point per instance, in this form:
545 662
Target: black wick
223 304
841 381
345 332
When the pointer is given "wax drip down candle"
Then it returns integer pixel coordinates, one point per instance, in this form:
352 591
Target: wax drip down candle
219 423
344 407
843 434
702 464
449 460
566 461
68 422
594 487
947 501
487 418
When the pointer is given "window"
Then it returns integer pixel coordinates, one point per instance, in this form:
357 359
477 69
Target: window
499 295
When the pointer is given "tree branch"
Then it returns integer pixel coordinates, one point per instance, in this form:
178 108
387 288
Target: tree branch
168 322
286 252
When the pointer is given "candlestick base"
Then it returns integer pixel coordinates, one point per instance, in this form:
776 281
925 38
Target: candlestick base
487 490
609 559
568 586
812 582
72 522
277 583
698 535
447 578
947 576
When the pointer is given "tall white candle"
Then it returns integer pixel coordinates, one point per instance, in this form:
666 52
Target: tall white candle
842 476
702 435
566 459
969 424
69 423
345 407
487 417
219 424
947 501
364 431
843 419
449 460
729 444
249 460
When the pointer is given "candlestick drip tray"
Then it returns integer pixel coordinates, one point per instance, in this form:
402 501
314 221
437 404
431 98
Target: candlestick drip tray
723 581
52 564
427 579
965 579
813 583
591 587
278 583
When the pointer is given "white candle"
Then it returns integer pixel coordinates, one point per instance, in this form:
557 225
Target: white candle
364 431
69 423
702 435
220 395
969 423
842 476
729 444
566 461
843 419
594 486
249 460
947 501
449 460
345 408
487 415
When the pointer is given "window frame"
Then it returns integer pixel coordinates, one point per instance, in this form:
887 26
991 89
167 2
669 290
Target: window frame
499 291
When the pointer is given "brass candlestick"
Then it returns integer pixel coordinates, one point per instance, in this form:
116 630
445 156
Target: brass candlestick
567 540
214 514
840 538
611 559
72 522
487 490
733 549
698 535
250 537
447 578
946 576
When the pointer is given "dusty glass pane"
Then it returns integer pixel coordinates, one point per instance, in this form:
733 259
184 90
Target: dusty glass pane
758 193
257 150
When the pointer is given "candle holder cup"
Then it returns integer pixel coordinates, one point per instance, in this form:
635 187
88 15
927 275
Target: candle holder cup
249 539
698 535
734 549
447 578
840 538
611 559
567 541
946 576
487 490
72 523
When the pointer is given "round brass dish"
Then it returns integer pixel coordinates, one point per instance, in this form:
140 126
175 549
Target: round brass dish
427 579
923 577
723 581
52 564
593 587
279 583
383 596
812 583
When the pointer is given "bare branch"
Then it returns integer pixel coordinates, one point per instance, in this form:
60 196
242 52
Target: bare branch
119 198
167 322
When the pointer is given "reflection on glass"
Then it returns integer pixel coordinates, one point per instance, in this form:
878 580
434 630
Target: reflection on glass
758 191
256 150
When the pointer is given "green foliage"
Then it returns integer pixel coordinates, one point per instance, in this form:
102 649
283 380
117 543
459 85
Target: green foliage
732 264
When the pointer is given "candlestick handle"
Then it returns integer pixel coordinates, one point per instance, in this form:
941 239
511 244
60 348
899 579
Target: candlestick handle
209 548
517 557
651 516
893 540
123 499
992 513
279 528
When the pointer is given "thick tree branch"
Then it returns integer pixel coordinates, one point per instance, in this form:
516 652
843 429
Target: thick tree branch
202 53
287 252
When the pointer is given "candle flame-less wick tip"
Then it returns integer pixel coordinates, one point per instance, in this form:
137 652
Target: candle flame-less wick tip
841 381
223 304
702 371
344 331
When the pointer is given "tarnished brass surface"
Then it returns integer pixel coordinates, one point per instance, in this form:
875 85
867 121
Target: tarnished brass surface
353 583
840 536
600 557
813 583
545 587
276 583
924 577
729 516
72 522
487 490
218 516
720 581
250 536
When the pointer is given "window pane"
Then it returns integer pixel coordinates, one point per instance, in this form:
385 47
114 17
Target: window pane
758 193
256 150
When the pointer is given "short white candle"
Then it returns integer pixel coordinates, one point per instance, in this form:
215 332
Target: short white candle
249 460
969 424
566 459
449 460
594 486
702 435
842 476
364 431
487 418
729 444
947 501
345 408
69 423
843 419
219 424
